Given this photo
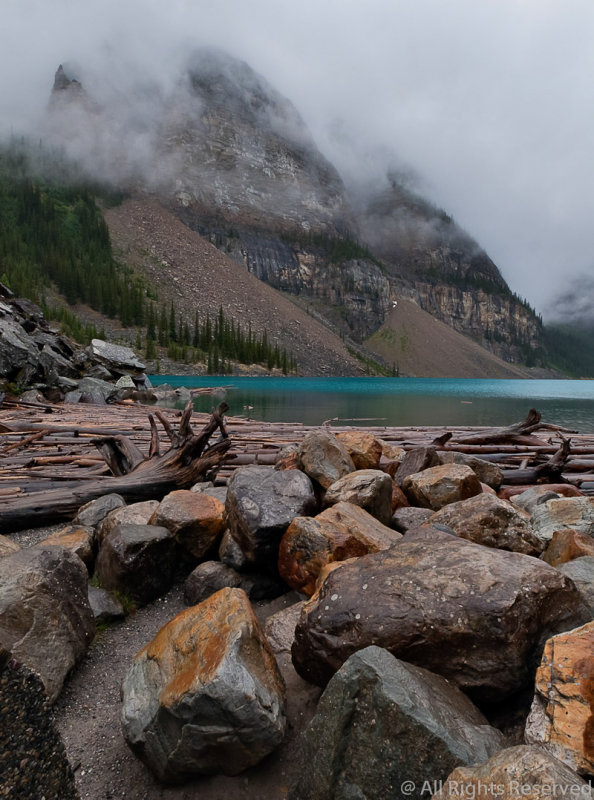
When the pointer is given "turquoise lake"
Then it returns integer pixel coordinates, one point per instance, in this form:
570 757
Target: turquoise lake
398 401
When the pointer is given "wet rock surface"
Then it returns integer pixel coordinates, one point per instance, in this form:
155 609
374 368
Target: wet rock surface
45 618
385 724
476 615
261 503
205 696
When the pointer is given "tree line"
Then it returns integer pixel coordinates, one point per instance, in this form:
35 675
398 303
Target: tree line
55 235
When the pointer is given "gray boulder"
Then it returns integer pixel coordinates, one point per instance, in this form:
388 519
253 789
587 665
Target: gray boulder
94 512
324 458
562 513
526 769
383 724
369 489
19 357
486 471
476 615
534 496
205 696
137 560
45 618
416 461
261 503
581 572
115 357
410 517
487 520
210 576
134 514
105 607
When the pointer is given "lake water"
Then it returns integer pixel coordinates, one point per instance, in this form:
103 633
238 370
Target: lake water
398 401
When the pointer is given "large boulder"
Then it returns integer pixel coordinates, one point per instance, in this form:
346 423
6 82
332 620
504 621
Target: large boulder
363 448
516 772
581 572
340 532
194 518
408 518
134 514
19 356
34 761
211 576
575 513
437 486
115 357
414 461
324 458
138 561
476 615
45 618
383 726
94 512
562 715
487 520
486 471
370 489
205 696
261 503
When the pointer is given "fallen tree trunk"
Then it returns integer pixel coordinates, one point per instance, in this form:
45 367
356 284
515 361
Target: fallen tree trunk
136 477
519 433
549 472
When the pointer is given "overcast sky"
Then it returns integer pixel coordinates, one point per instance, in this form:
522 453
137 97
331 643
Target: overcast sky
490 101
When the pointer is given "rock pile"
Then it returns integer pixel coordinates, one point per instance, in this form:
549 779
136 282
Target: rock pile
36 358
411 617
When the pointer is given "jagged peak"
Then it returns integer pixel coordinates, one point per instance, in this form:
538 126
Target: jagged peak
62 81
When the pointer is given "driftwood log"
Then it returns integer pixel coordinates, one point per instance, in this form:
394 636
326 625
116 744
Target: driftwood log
519 433
135 476
550 471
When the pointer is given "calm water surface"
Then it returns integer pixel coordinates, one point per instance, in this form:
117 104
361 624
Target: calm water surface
398 401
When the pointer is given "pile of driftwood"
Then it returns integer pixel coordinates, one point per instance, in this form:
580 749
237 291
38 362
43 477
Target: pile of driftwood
54 458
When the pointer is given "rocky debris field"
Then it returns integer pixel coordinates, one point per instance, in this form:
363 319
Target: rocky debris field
355 621
38 362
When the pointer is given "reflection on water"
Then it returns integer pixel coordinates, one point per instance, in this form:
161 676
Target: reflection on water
399 401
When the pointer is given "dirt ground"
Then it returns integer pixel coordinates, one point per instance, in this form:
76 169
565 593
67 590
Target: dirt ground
88 717
87 713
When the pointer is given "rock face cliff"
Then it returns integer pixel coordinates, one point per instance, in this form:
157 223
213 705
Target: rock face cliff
235 162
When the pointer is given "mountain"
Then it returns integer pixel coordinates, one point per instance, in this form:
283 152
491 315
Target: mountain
233 160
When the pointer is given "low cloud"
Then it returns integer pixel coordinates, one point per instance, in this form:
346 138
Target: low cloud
489 103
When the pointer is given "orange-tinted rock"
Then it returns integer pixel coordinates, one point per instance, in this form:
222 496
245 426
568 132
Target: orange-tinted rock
7 546
194 518
438 486
564 489
518 772
392 452
341 532
288 458
562 715
205 696
78 539
565 512
363 448
398 498
566 545
414 461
